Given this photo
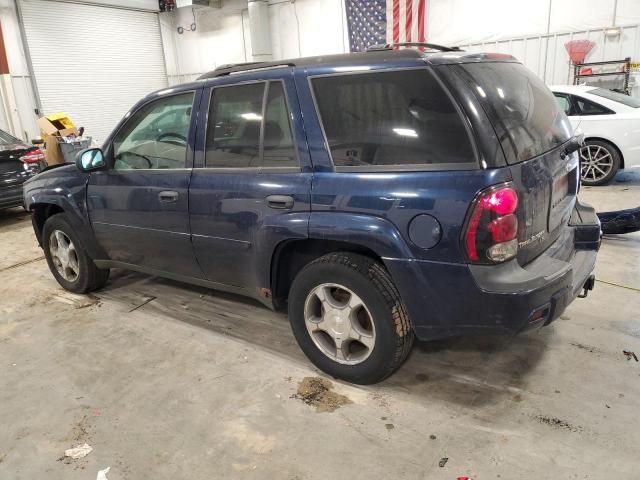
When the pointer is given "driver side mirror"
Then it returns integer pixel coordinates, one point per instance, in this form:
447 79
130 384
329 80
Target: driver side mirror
90 159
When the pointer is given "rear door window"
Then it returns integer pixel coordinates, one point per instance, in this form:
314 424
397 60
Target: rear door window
245 131
392 119
523 111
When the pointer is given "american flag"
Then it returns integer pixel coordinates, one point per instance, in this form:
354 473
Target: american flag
377 22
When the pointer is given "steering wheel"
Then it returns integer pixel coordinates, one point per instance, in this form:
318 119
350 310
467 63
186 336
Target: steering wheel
146 159
181 142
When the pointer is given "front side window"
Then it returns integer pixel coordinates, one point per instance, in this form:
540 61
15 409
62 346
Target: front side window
156 136
238 127
563 102
391 119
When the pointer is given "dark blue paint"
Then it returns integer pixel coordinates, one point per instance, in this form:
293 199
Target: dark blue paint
221 230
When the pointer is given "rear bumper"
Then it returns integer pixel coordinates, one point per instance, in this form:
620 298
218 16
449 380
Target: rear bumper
456 299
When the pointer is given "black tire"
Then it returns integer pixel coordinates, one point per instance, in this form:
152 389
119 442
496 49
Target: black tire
89 277
372 283
589 175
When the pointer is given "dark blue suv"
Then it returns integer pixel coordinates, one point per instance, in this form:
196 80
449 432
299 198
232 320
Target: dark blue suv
378 196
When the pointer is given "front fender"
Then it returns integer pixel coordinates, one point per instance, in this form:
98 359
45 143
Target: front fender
66 193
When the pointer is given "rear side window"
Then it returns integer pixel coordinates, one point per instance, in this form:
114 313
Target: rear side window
523 111
244 131
587 107
391 119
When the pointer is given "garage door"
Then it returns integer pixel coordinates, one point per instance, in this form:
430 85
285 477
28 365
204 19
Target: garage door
92 62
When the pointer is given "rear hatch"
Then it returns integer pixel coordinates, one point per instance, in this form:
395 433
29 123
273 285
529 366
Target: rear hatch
533 132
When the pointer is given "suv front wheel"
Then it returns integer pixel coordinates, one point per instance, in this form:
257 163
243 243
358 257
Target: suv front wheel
67 259
347 317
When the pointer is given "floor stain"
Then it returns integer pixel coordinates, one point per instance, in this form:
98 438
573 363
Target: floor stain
587 348
557 423
316 391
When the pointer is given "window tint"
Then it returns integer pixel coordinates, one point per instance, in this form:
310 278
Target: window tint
279 150
563 103
521 108
390 119
586 107
156 136
233 133
616 97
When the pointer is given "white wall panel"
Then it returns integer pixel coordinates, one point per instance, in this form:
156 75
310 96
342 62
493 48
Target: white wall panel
93 73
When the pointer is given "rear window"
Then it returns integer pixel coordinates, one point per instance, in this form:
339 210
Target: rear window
616 97
523 111
392 119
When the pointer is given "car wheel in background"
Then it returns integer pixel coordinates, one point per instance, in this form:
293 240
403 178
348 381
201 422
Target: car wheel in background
347 317
599 162
67 259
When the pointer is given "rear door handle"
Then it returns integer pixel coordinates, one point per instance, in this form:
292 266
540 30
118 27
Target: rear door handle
280 201
168 196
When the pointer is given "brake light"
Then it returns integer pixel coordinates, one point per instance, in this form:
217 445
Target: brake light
492 228
34 156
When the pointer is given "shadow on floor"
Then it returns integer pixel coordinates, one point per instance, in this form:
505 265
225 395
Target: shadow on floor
13 216
466 371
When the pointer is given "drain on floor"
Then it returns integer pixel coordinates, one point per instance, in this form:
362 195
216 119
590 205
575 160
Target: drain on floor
316 391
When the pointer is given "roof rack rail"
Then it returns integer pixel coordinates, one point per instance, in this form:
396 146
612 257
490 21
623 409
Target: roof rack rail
432 46
230 68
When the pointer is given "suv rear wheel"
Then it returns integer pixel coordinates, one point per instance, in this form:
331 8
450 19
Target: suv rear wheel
347 317
67 259
600 162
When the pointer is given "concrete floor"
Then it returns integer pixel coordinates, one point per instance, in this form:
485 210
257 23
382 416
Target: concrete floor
169 381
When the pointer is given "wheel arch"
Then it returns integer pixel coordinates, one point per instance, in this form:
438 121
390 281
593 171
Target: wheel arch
291 256
329 232
610 142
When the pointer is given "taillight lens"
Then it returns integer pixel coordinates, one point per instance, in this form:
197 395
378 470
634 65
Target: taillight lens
492 229
34 156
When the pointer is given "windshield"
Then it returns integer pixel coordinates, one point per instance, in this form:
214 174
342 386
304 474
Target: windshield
616 97
521 108
6 139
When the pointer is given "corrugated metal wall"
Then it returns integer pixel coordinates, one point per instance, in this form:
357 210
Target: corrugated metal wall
546 54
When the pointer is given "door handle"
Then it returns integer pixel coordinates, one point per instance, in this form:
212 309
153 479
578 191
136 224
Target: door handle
280 201
168 196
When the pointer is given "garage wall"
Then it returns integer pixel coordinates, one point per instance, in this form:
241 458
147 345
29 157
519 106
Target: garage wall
25 127
303 28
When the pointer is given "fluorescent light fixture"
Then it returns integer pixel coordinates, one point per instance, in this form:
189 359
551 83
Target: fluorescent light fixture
481 91
500 92
406 132
251 116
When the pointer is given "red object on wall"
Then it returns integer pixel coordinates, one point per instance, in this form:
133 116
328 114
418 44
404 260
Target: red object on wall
578 50
4 64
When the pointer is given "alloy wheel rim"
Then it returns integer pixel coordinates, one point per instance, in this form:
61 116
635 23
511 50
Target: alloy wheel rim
339 323
597 163
64 255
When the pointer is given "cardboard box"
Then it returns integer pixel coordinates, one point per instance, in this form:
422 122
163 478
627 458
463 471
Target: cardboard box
53 128
51 124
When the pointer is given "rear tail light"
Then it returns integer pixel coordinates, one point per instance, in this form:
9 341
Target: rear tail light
491 234
34 156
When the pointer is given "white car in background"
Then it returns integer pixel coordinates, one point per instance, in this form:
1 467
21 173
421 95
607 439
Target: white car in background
611 125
